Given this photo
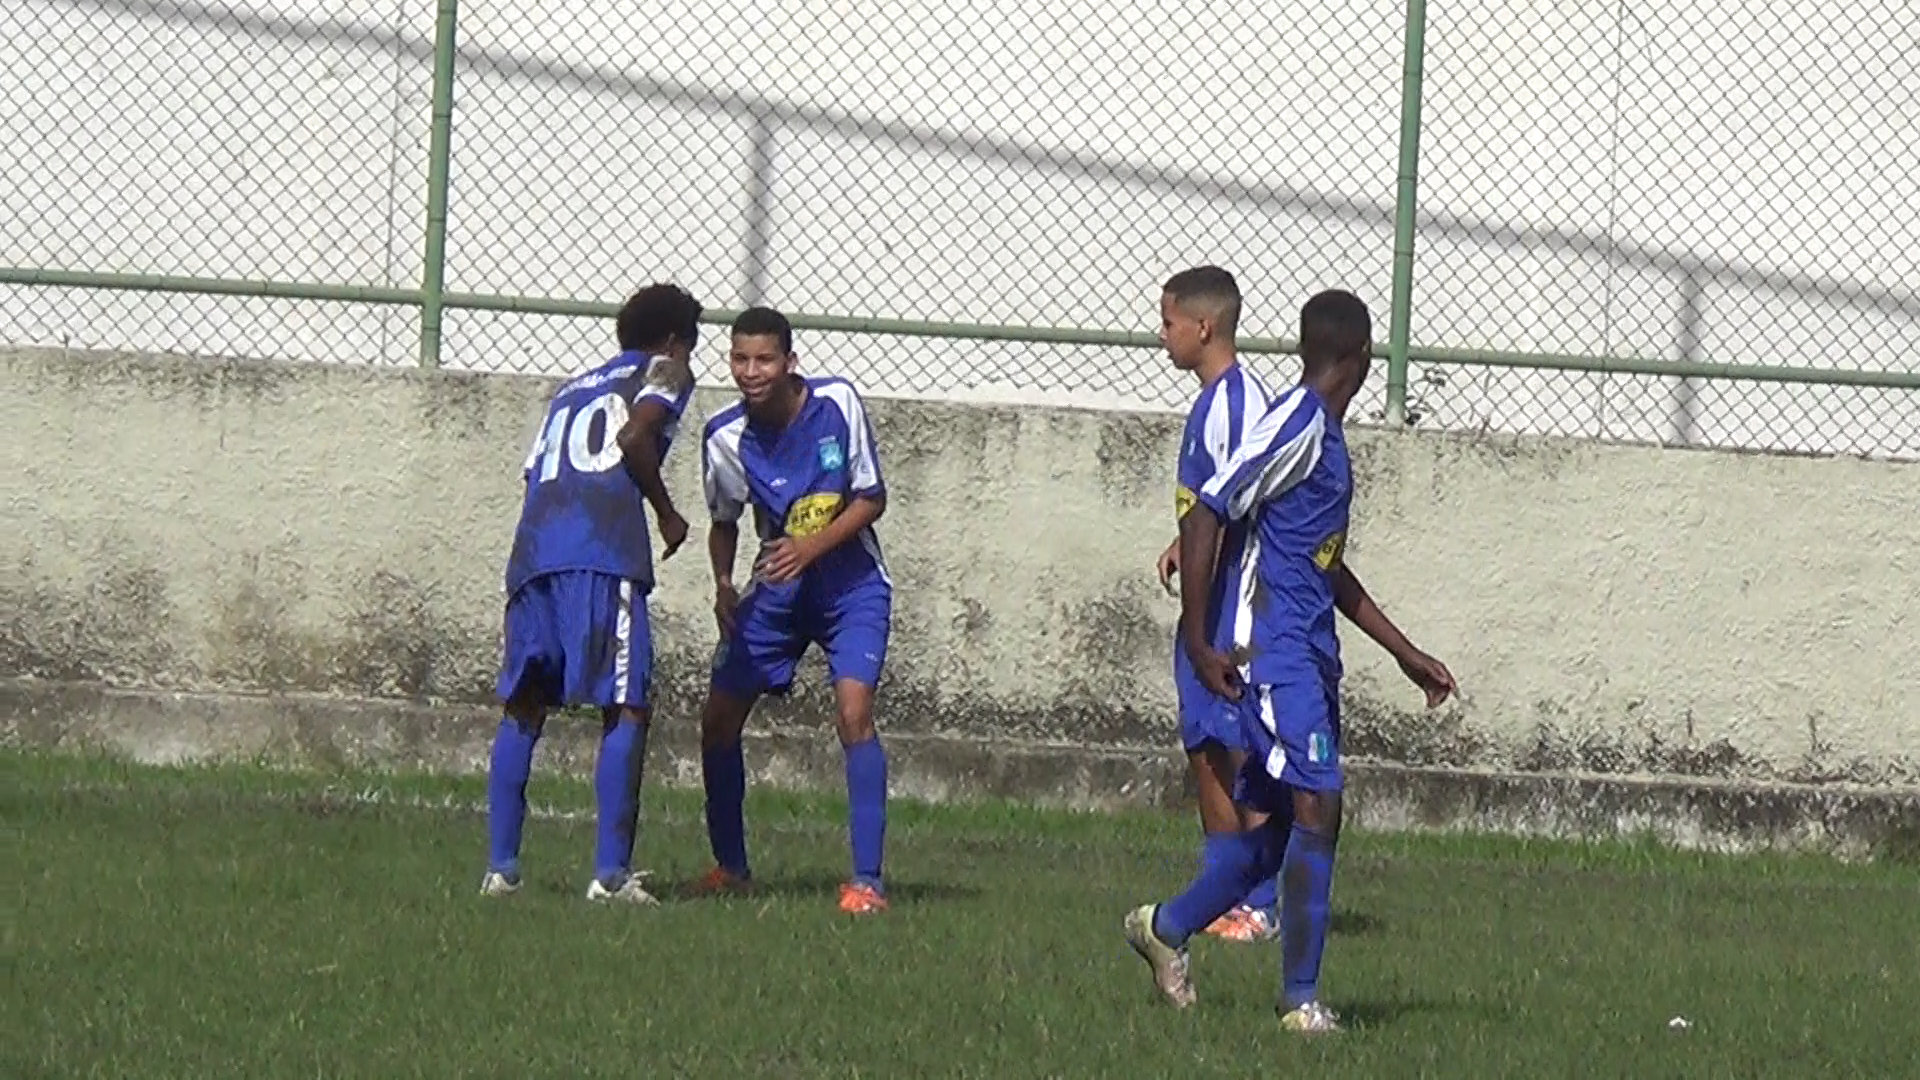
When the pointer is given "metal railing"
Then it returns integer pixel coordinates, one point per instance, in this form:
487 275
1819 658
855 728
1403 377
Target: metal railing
971 202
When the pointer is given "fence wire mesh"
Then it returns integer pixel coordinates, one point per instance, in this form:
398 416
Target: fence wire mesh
217 141
1689 181
1723 180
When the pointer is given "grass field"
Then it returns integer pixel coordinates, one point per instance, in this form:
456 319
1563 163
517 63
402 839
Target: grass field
246 923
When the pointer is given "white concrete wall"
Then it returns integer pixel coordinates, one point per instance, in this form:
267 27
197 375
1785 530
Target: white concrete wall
243 528
1727 181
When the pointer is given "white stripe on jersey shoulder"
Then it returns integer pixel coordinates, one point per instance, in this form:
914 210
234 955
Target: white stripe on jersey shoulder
1257 395
1287 406
1216 424
727 424
841 392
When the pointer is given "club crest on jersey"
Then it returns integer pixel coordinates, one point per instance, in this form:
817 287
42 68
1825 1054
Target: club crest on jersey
831 456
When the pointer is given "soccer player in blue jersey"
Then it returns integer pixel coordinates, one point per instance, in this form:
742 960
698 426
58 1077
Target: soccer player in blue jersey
1292 481
578 579
1199 312
800 453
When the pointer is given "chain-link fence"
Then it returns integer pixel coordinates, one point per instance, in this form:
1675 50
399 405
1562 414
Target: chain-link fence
1696 184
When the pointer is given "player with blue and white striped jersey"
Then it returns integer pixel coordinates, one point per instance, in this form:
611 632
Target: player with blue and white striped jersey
1291 481
1199 314
578 578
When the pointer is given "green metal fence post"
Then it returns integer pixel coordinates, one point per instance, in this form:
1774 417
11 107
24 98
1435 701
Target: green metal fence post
433 285
1406 201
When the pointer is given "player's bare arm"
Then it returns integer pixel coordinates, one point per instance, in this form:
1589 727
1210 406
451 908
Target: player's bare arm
788 557
639 441
723 544
1200 536
1353 601
1169 564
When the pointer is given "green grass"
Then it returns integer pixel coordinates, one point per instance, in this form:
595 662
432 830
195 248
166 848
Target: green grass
247 923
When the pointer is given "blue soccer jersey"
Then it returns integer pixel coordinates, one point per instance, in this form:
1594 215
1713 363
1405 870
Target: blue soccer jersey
582 511
1292 482
797 480
1219 422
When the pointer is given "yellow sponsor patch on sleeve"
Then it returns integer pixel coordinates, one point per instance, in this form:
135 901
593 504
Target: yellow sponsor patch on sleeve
1327 555
811 513
1183 501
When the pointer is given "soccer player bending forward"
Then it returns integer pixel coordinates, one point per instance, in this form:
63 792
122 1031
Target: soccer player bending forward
578 579
1291 481
800 453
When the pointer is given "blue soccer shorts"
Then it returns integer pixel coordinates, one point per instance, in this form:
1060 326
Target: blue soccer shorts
1293 740
578 637
1206 718
774 624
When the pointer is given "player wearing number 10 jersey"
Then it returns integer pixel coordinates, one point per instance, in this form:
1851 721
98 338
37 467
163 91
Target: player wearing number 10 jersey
578 578
800 453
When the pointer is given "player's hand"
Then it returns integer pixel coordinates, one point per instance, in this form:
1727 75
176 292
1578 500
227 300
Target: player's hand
1429 675
726 601
673 533
1170 566
786 559
1216 670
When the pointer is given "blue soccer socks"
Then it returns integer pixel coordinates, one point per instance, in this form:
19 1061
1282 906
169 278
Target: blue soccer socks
1307 875
723 770
507 772
616 792
867 809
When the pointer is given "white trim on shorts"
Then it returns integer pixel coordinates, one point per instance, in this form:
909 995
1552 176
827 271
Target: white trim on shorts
623 642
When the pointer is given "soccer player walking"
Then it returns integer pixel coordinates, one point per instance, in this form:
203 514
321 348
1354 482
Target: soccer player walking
798 451
1199 313
578 578
1292 482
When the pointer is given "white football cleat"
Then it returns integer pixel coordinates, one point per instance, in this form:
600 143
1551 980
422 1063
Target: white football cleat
624 889
1312 1018
1169 965
499 883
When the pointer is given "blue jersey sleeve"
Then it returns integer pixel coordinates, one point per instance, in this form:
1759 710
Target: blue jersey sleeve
1221 420
1279 452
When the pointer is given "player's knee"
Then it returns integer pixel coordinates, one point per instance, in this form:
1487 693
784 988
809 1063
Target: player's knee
855 726
853 707
722 720
1317 810
526 714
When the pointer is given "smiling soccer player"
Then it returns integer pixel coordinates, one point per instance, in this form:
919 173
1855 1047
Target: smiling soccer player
800 453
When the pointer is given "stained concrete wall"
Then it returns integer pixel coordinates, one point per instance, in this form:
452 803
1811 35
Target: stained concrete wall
302 561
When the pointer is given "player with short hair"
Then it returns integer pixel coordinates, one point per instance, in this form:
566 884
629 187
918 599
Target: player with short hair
1293 482
1199 314
800 452
578 578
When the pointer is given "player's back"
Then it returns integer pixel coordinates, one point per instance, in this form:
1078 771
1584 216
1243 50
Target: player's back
798 478
1222 415
582 510
1300 535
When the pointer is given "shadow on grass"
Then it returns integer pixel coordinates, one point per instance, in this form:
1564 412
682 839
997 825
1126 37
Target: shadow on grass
1354 924
816 886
